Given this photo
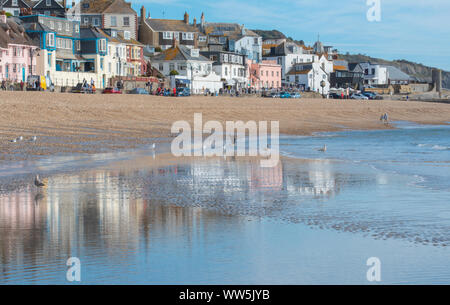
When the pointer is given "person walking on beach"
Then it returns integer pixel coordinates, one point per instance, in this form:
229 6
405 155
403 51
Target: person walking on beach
4 85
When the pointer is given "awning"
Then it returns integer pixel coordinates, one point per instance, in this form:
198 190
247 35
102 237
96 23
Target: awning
182 81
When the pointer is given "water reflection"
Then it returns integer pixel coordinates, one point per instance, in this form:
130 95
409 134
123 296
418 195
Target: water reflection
123 217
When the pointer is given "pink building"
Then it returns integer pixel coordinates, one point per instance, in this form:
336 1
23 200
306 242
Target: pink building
266 74
17 52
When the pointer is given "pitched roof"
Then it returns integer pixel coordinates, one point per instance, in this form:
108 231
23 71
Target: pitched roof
105 6
168 25
179 53
12 32
397 74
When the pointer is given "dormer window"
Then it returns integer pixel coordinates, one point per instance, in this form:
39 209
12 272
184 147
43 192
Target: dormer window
48 2
113 34
126 35
14 3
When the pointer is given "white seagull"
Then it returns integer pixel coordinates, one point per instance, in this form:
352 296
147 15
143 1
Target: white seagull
13 141
20 138
38 182
33 139
154 146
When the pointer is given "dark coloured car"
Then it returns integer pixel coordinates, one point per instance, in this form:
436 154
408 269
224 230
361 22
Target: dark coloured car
138 91
285 95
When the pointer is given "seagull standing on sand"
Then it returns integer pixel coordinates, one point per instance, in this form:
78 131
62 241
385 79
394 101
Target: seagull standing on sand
13 140
33 139
38 182
154 146
323 149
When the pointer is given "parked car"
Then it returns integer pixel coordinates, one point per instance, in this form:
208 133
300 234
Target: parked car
39 83
370 95
79 88
138 91
183 91
357 96
111 90
296 95
274 95
285 95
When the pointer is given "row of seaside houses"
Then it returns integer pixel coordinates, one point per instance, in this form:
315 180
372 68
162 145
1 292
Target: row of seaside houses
101 40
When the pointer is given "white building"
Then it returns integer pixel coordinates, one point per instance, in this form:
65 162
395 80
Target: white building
374 74
289 54
189 67
230 67
310 76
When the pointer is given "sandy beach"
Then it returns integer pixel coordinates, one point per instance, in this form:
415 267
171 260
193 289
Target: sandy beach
73 123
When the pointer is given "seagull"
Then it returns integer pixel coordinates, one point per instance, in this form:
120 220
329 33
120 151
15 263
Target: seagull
154 146
13 140
324 148
33 139
20 138
38 182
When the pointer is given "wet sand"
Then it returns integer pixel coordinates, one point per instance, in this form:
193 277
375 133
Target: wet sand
74 123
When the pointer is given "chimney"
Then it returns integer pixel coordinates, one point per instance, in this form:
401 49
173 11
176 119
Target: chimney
64 4
174 42
203 21
149 15
186 18
143 14
195 22
73 4
3 18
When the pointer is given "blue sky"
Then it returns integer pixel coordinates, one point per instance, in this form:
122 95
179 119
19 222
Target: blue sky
416 30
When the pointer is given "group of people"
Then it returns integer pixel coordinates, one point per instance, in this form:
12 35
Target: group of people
86 85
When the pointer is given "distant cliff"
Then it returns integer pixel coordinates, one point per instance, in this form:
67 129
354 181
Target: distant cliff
421 72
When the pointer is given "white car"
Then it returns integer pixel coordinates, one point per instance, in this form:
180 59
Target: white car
357 96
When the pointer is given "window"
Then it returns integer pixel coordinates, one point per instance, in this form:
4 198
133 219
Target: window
113 21
109 67
85 20
168 35
96 21
126 21
161 67
48 2
102 61
59 26
49 59
48 13
67 27
202 39
102 45
78 45
52 25
51 39
126 35
14 2
77 28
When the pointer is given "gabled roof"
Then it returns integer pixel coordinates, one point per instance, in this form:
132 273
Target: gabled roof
12 32
178 53
232 30
91 32
170 25
397 74
105 7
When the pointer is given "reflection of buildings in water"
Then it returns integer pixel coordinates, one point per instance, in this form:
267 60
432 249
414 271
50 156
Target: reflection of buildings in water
316 180
214 175
270 178
91 213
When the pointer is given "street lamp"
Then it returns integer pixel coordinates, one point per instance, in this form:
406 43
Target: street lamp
117 56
